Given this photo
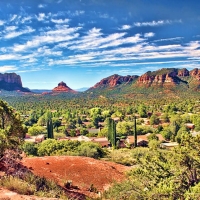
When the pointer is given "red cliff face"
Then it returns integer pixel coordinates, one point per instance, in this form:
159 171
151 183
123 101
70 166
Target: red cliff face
163 77
195 73
183 72
114 80
11 81
11 78
62 87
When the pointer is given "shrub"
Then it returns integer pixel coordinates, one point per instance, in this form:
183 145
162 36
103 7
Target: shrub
17 185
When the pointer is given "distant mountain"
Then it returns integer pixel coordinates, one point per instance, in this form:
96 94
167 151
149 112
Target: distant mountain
114 80
166 80
170 77
82 89
62 87
11 82
40 91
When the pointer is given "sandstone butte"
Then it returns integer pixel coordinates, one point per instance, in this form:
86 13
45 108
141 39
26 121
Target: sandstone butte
11 81
62 87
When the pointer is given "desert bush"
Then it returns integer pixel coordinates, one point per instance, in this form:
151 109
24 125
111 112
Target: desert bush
30 148
90 149
18 185
33 185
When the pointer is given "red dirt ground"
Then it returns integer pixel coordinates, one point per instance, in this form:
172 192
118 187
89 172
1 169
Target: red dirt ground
82 171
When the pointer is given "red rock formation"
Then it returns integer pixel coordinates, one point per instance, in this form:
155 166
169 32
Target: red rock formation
11 81
115 80
163 77
183 72
195 73
62 87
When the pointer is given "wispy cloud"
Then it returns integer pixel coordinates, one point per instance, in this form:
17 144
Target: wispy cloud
7 68
156 23
13 17
168 39
2 22
60 21
14 34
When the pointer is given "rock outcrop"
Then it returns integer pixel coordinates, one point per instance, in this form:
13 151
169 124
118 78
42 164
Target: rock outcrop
195 73
62 87
114 80
11 82
163 77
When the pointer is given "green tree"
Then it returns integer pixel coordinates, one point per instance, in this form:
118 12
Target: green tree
112 132
164 174
36 130
11 130
154 120
50 129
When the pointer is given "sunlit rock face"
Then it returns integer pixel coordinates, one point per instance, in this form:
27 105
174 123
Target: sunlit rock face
62 87
115 80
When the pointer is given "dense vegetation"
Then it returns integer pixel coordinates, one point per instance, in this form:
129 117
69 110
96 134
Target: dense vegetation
163 174
157 173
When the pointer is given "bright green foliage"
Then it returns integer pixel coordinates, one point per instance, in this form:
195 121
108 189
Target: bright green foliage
36 130
30 148
11 130
142 111
164 174
90 149
51 147
124 128
152 136
154 120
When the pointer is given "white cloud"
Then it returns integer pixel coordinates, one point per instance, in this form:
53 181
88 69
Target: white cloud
153 23
41 5
13 17
61 34
2 22
125 27
150 34
7 68
156 23
13 34
41 17
60 21
26 19
9 57
168 39
10 28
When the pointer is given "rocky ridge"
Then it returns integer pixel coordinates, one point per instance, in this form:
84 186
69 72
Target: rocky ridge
115 80
168 77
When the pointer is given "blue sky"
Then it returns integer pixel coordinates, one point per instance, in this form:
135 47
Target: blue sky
82 41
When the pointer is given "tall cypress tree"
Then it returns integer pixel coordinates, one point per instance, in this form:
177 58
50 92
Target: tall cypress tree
112 132
50 129
135 132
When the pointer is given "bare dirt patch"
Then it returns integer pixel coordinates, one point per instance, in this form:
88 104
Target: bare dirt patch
85 173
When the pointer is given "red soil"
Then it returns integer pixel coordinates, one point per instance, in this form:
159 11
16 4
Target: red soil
82 171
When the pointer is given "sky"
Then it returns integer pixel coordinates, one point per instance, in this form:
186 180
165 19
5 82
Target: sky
82 41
